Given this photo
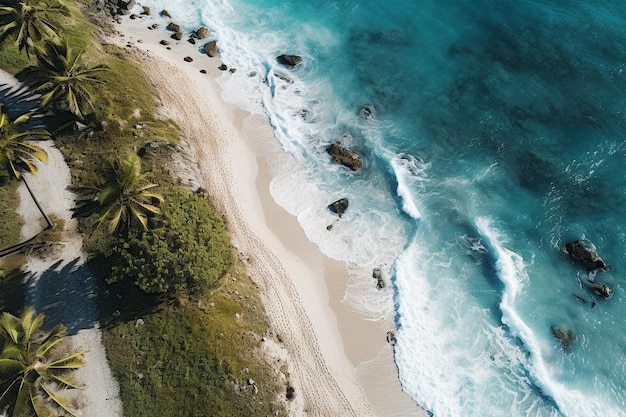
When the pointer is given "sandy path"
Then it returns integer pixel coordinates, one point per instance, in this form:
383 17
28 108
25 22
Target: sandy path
61 286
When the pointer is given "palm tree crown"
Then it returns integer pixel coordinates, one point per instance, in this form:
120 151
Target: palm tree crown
123 196
15 154
62 79
33 366
28 20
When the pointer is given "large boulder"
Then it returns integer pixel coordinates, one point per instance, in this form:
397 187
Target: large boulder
202 32
344 156
339 207
211 49
585 256
289 61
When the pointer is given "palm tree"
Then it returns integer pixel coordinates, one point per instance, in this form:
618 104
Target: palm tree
16 155
62 79
33 365
28 20
122 197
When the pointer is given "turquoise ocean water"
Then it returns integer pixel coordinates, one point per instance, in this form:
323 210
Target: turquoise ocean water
497 137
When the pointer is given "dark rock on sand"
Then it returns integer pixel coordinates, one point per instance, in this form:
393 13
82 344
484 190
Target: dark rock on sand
564 335
202 32
391 338
339 207
173 27
165 13
222 67
377 274
586 257
145 10
346 157
188 59
191 40
289 61
211 49
291 393
177 36
164 42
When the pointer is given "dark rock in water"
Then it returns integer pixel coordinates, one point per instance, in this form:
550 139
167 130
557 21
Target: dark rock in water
165 13
177 36
283 77
339 207
289 61
211 49
367 112
291 393
202 32
586 257
344 156
232 70
391 338
172 27
564 335
377 274
601 290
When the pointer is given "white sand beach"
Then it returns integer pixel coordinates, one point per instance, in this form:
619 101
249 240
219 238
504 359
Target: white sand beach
341 365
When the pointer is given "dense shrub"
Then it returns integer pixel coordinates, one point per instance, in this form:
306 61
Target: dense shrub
187 249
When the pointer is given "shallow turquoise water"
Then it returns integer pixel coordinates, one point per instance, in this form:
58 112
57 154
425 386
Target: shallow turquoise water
498 137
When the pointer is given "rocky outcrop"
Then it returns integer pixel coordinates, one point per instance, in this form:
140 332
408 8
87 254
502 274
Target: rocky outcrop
344 156
584 256
211 49
564 336
289 61
339 207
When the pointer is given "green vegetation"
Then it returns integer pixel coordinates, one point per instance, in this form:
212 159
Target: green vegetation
15 154
122 197
10 221
63 80
197 358
29 21
34 365
187 250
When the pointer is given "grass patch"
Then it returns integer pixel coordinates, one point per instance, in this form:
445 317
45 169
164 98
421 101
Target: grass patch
197 357
10 221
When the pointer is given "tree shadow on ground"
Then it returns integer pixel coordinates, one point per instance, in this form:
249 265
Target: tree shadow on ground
77 295
12 293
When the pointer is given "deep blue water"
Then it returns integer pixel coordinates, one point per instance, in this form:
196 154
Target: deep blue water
498 137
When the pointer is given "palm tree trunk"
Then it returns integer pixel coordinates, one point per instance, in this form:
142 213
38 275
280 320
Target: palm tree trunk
45 216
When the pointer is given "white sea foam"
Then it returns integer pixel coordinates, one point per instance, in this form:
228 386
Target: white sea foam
408 171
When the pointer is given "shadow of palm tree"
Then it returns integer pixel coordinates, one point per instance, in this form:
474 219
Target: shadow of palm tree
76 295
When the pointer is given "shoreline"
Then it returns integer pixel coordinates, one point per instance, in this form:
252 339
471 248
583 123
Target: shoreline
342 363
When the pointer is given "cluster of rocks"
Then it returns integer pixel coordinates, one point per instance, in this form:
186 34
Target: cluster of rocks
592 263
